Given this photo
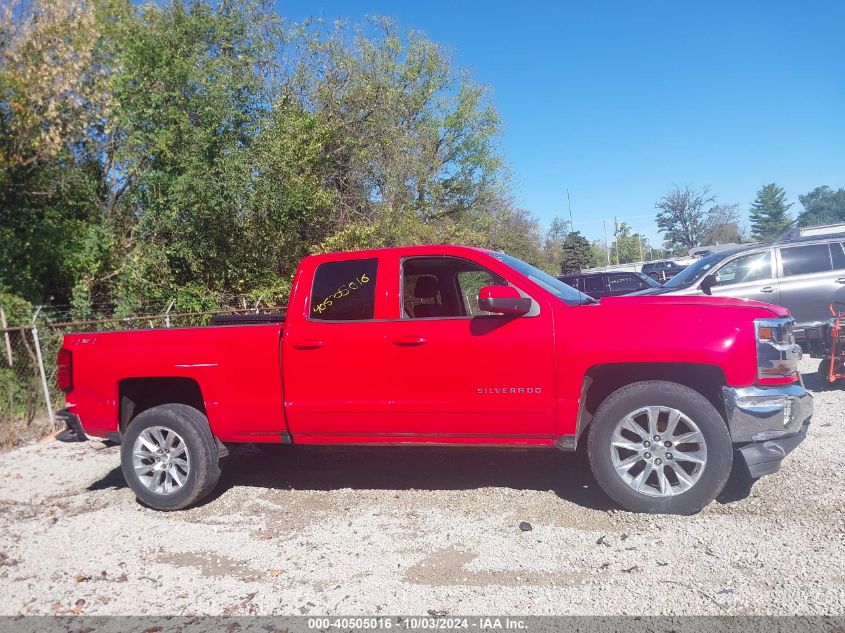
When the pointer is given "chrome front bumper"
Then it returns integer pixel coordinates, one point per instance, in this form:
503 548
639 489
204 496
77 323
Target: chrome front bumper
757 414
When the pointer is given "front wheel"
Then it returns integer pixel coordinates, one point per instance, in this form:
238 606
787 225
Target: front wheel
169 457
660 447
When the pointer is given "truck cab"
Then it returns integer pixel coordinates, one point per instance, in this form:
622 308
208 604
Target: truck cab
406 330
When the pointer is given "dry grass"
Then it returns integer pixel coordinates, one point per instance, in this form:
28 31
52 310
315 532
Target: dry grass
17 432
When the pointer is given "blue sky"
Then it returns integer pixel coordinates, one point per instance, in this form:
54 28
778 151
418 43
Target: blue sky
619 101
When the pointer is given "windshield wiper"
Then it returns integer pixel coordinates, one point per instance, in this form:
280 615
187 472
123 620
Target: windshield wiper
587 300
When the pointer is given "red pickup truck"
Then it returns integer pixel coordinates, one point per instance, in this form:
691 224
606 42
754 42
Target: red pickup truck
459 346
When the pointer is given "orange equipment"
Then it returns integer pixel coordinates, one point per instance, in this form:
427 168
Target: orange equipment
833 368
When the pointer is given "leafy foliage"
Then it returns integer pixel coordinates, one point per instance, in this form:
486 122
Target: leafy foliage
680 217
576 253
822 205
628 246
769 213
721 225
196 150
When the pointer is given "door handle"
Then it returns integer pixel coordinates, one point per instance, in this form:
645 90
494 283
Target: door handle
308 343
768 289
409 341
841 280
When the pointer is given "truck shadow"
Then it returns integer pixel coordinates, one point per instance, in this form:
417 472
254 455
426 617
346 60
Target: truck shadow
305 468
417 468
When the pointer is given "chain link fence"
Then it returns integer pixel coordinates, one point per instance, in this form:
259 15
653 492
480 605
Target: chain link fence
29 393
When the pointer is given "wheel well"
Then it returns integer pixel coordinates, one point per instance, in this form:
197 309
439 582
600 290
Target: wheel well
139 394
603 380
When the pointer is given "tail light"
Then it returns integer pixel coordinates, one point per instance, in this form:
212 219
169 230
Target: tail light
64 364
777 352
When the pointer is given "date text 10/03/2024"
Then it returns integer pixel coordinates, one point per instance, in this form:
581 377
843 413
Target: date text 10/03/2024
419 623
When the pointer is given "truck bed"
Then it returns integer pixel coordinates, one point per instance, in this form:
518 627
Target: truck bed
236 369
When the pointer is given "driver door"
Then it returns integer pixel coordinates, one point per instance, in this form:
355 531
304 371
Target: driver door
456 371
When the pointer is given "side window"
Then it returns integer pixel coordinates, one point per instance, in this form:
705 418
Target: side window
803 260
837 251
753 267
443 287
344 291
595 283
470 283
623 283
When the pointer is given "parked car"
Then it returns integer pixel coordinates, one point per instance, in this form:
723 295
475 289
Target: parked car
609 284
662 270
804 275
447 345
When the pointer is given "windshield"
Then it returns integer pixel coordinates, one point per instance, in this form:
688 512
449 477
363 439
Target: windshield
695 271
565 293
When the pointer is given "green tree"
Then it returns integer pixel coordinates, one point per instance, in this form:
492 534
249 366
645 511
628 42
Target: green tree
599 253
188 101
576 253
51 98
512 230
411 136
553 241
769 213
630 247
721 225
822 205
680 217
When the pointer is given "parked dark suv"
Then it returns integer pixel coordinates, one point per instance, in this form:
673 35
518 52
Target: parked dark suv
662 270
804 274
609 284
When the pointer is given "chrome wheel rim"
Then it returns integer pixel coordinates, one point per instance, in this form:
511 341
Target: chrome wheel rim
161 460
658 451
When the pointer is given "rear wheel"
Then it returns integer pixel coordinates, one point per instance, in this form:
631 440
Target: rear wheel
660 447
169 457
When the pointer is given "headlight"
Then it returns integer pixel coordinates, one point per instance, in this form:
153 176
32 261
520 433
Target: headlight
777 352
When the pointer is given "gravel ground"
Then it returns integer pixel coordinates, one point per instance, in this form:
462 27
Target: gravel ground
385 531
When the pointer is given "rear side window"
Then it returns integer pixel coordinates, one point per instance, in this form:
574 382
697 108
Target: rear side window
803 260
837 251
593 284
624 283
344 291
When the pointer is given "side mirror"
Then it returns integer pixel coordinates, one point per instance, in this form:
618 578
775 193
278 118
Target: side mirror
708 282
503 300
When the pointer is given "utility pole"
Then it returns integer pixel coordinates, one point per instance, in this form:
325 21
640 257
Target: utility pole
616 237
569 201
606 246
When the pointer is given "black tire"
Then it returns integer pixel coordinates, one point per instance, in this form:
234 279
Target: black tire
654 276
192 426
692 404
823 372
